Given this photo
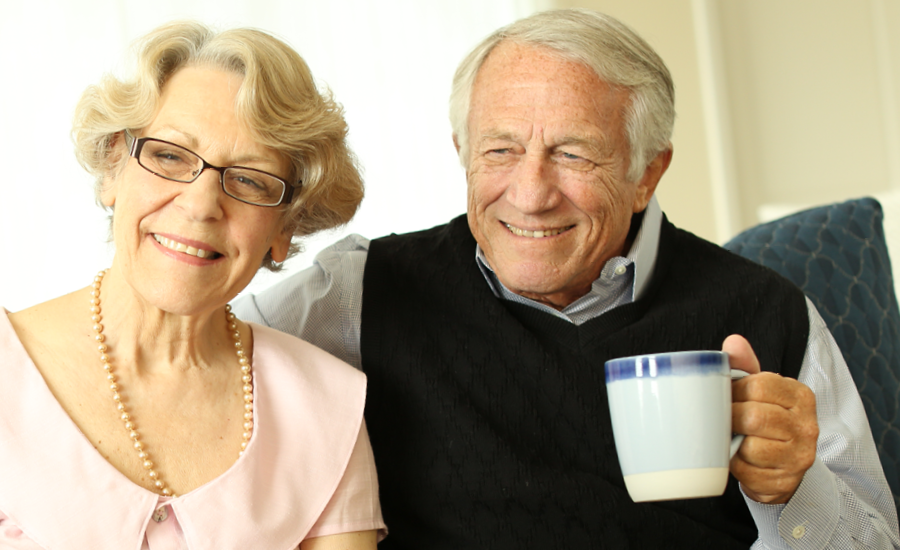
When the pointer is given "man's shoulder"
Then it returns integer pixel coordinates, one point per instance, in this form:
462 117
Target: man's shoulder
455 228
706 253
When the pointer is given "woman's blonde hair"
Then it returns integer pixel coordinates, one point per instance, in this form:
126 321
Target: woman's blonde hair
278 101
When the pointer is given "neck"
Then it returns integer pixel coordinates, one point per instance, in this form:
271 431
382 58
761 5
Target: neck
142 335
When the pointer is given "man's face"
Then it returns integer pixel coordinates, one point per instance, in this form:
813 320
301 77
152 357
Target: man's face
548 200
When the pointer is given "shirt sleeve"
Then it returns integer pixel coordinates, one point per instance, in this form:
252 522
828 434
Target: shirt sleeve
354 505
321 304
844 500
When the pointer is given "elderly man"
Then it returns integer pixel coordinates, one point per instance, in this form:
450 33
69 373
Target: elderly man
484 339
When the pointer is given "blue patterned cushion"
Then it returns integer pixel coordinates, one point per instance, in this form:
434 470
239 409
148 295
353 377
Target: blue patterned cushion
837 254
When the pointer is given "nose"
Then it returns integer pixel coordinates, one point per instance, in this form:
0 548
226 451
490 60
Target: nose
201 200
534 186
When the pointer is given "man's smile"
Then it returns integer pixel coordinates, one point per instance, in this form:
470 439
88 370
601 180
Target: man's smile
537 234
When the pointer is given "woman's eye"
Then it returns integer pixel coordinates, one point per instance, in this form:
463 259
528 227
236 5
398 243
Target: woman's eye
168 156
249 182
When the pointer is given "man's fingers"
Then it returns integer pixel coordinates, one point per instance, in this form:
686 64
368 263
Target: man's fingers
765 420
768 387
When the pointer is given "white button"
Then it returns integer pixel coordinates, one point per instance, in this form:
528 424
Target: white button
621 269
160 514
798 532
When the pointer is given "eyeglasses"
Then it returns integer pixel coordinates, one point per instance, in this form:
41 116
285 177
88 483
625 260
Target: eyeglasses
176 163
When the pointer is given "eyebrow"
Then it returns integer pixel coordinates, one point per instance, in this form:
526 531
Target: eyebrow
193 142
596 144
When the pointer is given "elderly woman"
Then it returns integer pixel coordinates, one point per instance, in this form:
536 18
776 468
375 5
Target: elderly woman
139 412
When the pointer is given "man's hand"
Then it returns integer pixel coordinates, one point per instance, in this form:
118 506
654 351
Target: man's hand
778 416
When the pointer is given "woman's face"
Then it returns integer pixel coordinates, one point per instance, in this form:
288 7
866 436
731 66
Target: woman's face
189 248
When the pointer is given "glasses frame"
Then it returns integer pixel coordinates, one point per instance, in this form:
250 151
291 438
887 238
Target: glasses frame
137 144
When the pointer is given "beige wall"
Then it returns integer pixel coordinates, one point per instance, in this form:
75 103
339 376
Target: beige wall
807 95
779 101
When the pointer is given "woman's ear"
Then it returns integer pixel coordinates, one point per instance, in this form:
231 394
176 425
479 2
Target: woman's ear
116 150
281 245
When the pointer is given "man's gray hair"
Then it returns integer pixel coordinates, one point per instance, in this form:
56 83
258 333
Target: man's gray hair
615 52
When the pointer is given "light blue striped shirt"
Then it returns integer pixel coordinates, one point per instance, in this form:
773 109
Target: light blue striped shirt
843 502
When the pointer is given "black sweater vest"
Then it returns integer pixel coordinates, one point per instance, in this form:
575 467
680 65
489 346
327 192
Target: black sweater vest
489 420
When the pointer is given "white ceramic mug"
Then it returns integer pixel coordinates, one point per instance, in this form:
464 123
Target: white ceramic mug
671 418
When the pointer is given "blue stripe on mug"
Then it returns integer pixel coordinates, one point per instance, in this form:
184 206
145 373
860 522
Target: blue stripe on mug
667 364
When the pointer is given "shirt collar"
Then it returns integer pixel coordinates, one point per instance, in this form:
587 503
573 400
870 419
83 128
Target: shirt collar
642 255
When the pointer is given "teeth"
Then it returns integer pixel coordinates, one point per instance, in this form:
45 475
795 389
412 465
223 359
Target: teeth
536 234
181 247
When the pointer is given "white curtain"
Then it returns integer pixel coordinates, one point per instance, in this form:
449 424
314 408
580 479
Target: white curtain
389 63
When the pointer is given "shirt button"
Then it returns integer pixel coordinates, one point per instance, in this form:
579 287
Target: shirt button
621 269
161 514
798 532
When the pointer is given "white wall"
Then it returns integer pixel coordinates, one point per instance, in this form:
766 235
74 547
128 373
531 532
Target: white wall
389 62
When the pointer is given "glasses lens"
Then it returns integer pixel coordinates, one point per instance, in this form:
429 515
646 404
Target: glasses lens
170 161
253 186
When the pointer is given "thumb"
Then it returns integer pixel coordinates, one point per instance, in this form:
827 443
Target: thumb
740 354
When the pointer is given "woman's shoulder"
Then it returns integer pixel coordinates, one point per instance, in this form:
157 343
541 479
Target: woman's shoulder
289 358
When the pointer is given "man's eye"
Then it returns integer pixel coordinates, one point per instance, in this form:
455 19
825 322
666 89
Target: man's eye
499 151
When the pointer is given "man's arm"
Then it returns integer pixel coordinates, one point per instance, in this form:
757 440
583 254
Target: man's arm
842 500
321 304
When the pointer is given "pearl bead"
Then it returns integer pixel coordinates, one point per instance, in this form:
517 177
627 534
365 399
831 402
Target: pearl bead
102 348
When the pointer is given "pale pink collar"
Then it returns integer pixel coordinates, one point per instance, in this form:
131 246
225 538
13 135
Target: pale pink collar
59 490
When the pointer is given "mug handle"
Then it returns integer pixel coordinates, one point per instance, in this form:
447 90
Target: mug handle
737 439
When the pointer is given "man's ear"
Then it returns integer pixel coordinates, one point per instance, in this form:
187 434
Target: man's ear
116 151
653 173
456 143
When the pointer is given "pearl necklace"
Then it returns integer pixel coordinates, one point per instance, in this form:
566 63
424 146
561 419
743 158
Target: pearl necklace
114 386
